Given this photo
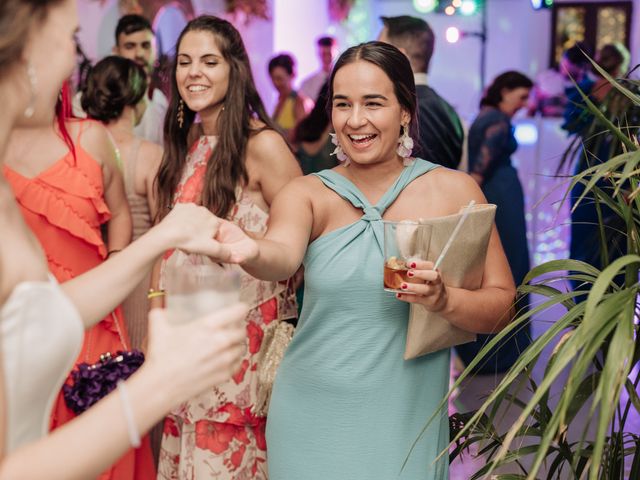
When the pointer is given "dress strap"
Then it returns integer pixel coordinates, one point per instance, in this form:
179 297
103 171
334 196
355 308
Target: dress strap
116 150
343 187
348 191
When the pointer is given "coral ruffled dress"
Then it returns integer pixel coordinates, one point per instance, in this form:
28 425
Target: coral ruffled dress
64 207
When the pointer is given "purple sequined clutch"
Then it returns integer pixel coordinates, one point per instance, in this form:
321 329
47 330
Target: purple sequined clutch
91 382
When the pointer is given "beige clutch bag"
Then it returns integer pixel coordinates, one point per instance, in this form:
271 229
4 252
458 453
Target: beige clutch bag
462 266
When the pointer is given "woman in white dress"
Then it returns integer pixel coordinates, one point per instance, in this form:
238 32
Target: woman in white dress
37 53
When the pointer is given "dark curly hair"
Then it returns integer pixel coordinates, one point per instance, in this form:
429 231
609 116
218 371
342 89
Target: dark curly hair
113 84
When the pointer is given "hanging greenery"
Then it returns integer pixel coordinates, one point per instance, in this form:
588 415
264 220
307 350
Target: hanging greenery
339 9
248 9
595 342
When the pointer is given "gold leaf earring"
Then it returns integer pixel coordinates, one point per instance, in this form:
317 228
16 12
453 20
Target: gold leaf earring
180 115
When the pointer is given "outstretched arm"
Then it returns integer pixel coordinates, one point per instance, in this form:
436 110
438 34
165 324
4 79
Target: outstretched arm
279 254
196 356
98 291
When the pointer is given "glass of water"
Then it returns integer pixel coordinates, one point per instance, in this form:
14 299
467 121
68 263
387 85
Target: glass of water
195 290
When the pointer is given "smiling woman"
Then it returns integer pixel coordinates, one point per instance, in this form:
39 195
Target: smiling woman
42 322
233 162
345 404
491 144
367 126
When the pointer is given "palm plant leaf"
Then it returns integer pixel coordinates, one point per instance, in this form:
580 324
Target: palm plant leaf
625 91
595 342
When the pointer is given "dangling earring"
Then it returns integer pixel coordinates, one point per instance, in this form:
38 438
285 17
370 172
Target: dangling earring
405 146
33 87
338 152
180 115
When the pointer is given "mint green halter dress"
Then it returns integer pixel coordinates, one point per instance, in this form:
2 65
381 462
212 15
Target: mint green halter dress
345 404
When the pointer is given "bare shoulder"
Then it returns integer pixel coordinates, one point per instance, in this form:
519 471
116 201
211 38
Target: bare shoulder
268 150
92 131
451 189
265 139
303 189
94 138
304 185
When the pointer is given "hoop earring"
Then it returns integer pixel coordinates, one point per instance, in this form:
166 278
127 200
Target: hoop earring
405 146
338 152
33 88
180 115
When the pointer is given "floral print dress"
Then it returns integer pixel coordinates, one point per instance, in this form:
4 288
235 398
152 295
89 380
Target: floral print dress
216 435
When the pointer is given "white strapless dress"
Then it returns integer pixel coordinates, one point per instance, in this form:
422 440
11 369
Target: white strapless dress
41 334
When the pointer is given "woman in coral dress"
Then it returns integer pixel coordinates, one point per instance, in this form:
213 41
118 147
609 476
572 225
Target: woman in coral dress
233 162
66 195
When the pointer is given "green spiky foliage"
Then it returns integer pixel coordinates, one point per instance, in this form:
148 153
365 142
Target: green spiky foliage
595 343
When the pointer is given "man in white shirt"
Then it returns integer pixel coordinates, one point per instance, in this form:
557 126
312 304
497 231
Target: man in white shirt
135 40
311 85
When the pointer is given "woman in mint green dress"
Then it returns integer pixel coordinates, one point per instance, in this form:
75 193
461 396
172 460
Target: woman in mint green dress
345 404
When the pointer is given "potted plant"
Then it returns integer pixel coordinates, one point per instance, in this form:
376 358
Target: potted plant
595 343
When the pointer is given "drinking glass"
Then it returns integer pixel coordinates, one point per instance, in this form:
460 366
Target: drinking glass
194 290
404 242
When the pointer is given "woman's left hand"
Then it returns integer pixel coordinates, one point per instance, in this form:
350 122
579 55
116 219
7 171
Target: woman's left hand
426 287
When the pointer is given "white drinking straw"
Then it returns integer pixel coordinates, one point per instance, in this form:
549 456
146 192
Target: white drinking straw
465 213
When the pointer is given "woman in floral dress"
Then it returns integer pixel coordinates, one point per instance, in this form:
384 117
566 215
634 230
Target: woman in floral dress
233 162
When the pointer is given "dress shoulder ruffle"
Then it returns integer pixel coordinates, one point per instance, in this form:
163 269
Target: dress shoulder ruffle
58 194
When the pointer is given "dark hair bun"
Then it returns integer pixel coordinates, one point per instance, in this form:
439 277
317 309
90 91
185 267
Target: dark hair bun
113 84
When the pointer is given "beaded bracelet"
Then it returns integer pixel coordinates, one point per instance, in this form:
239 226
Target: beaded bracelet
152 293
132 430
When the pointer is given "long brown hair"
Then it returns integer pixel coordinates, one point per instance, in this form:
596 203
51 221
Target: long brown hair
17 17
226 167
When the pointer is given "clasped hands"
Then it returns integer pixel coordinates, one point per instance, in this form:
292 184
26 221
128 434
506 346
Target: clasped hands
195 229
230 244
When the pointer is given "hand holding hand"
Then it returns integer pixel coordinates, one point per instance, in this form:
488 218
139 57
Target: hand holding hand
197 355
425 288
241 247
192 228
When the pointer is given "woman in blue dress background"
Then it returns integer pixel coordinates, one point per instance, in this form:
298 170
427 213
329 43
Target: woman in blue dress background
491 144
345 404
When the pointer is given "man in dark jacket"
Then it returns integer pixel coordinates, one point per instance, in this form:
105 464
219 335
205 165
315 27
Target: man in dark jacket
440 130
